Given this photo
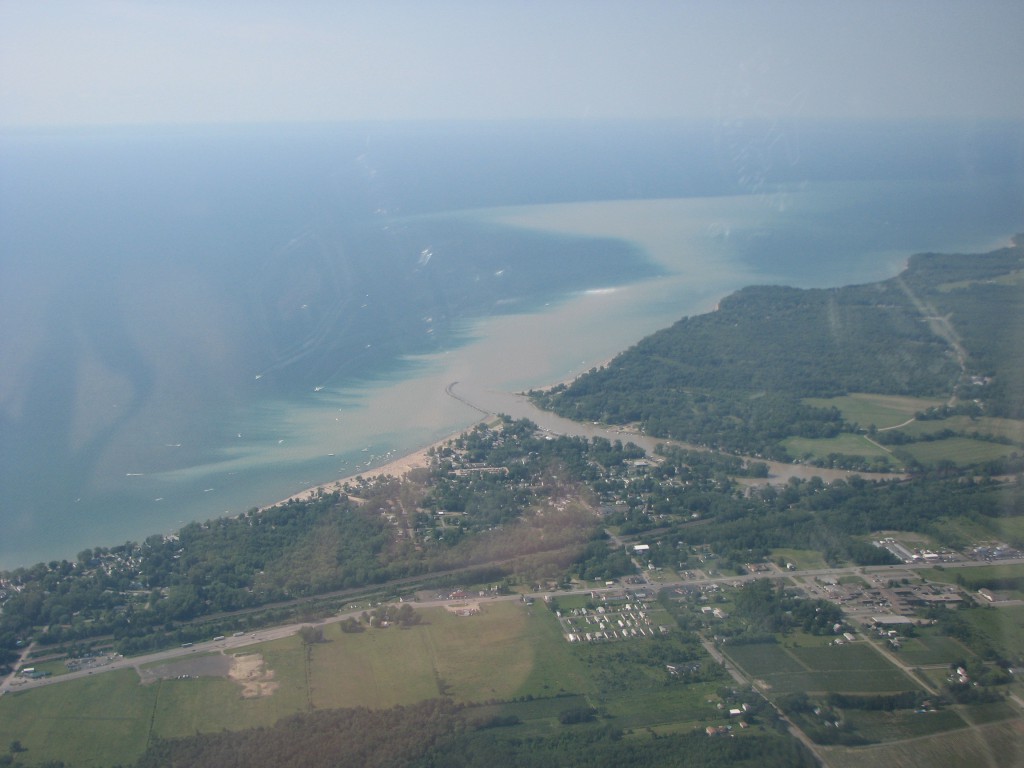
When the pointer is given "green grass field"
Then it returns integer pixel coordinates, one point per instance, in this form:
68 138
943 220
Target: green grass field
903 724
880 410
94 721
803 559
1003 626
972 578
108 718
1010 429
653 706
846 444
994 712
931 648
887 412
963 451
1009 528
960 531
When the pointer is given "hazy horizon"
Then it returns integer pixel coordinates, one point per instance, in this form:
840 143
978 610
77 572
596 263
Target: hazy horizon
197 322
121 62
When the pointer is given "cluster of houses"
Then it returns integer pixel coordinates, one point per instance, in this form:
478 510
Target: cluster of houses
606 623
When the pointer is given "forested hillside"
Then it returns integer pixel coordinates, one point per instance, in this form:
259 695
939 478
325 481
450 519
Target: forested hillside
736 377
983 298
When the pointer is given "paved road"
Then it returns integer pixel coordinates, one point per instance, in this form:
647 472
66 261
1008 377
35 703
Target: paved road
236 643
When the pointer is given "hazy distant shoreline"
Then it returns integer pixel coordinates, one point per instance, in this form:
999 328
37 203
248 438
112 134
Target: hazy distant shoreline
255 443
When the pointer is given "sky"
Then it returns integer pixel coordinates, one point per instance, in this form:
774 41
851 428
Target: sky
75 62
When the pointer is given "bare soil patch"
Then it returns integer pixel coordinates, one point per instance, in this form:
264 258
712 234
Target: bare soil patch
471 608
250 671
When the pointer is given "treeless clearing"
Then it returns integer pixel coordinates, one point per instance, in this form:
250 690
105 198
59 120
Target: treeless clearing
249 671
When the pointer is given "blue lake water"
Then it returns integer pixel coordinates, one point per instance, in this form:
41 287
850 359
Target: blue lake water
198 321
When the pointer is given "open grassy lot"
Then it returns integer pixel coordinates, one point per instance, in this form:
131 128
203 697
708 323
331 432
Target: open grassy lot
570 602
1003 626
960 531
1009 528
377 668
847 444
108 718
932 648
211 704
880 410
675 704
803 559
798 640
53 667
903 724
969 577
447 654
94 721
1007 580
963 451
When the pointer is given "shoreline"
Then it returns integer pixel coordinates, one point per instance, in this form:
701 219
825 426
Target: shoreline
779 472
419 458
399 468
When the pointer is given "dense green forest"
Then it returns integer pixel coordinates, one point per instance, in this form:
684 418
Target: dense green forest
439 734
737 377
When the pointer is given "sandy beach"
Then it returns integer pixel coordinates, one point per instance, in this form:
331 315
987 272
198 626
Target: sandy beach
490 403
398 468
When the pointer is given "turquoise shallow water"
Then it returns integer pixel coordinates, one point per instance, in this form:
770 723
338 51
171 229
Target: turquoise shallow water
197 323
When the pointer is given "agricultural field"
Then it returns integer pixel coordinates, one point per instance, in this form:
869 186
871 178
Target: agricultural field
848 668
930 648
892 412
999 744
994 712
881 410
